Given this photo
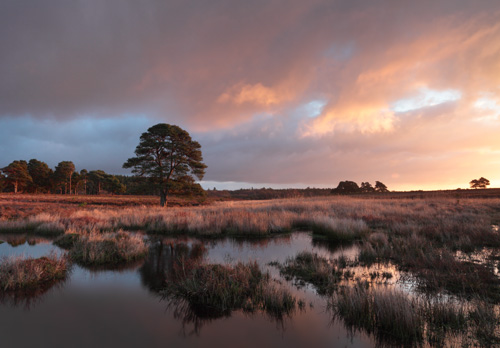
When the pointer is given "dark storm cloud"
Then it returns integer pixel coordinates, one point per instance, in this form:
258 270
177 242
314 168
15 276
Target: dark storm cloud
91 144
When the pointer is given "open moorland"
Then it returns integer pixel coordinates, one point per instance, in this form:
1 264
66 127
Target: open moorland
395 269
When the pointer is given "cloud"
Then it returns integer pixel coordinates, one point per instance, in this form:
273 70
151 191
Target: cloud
257 94
277 92
92 144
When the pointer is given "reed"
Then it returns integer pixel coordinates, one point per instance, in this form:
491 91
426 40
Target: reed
213 290
310 268
387 314
99 249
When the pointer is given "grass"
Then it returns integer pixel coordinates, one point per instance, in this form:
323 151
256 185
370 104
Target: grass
107 249
421 234
388 315
67 241
28 273
437 268
213 290
396 318
339 230
444 222
310 268
43 224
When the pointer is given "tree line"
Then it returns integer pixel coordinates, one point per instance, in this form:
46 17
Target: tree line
348 187
36 176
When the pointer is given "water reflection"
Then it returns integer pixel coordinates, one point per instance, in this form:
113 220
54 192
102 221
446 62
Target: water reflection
29 298
164 256
123 306
322 243
169 261
15 240
163 264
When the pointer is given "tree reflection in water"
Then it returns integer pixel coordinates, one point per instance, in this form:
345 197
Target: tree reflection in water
164 257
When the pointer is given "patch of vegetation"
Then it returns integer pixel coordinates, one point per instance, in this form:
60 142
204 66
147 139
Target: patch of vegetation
390 316
24 274
436 268
339 230
67 241
397 319
216 290
108 249
43 224
311 268
485 324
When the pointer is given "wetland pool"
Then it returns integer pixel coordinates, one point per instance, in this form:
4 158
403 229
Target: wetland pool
124 308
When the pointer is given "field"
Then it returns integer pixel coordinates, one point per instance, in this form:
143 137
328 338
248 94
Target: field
424 268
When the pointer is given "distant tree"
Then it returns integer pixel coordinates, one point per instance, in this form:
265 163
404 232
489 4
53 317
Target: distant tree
17 174
479 183
346 187
84 176
63 174
380 187
366 187
41 175
167 155
76 180
3 181
97 179
114 185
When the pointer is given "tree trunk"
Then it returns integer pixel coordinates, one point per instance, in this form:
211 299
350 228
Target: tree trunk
163 198
15 186
70 183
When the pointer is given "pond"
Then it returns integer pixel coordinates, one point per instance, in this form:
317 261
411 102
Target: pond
124 308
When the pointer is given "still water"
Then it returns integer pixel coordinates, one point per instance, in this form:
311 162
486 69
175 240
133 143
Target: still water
123 308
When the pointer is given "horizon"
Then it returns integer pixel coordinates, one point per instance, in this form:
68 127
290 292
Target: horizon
281 94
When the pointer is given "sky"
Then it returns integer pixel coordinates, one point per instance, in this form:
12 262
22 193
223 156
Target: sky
279 93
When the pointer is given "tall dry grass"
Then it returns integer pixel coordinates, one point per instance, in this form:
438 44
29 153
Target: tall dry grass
114 248
387 314
441 221
213 290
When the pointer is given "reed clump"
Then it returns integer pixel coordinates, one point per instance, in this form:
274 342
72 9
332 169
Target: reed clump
398 319
213 290
67 240
307 267
387 314
102 249
18 273
339 230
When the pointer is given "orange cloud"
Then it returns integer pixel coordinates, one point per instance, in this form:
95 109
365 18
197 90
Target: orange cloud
256 94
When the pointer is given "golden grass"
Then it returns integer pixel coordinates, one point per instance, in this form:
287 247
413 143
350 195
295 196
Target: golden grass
96 249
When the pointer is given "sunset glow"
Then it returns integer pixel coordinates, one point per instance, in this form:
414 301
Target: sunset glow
279 93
